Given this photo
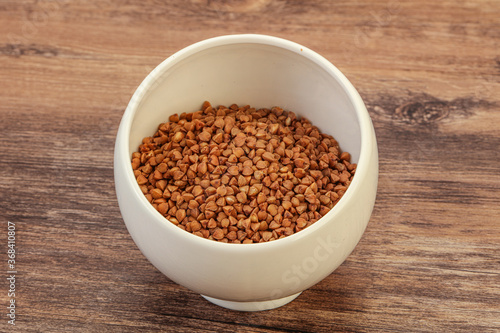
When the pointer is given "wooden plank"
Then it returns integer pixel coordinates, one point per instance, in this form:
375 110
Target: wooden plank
429 74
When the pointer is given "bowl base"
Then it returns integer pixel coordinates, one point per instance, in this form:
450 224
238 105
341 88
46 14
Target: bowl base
252 306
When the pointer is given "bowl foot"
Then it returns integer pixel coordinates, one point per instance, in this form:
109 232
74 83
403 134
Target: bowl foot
252 306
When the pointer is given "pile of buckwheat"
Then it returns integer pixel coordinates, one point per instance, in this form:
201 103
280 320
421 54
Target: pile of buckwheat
241 175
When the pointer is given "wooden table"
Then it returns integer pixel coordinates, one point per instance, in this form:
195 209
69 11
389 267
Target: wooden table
429 73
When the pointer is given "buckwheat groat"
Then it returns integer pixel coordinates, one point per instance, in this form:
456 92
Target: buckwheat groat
241 175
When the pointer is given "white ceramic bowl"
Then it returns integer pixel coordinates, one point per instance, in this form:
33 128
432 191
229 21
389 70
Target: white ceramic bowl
261 71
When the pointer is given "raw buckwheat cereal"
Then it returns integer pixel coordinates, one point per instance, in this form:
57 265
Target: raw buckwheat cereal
240 175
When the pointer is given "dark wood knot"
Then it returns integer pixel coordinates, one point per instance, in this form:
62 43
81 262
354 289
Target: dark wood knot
422 112
17 50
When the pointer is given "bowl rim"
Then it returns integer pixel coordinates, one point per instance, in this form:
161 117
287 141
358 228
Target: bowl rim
122 146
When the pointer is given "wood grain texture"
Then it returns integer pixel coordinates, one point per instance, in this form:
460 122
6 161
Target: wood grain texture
429 73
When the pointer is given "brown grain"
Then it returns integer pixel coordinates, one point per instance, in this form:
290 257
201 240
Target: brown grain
241 175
